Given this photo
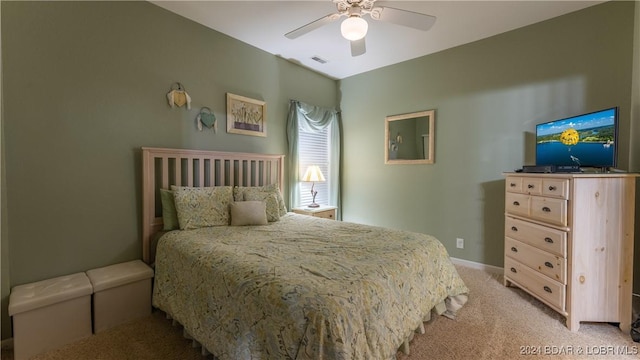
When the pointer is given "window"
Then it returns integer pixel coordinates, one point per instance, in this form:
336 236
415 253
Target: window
313 134
314 149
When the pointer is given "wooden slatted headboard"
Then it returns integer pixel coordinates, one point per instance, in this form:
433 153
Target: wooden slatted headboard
162 168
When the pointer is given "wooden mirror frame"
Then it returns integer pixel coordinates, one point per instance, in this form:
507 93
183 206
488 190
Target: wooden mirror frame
428 139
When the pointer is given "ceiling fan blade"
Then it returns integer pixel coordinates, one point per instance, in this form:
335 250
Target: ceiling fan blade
312 26
358 47
404 17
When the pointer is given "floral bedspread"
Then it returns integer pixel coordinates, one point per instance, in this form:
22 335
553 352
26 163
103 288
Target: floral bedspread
302 287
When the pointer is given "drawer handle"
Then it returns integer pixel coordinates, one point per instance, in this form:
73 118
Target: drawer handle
552 188
548 240
546 209
512 184
513 228
514 249
530 186
513 270
516 203
548 264
548 289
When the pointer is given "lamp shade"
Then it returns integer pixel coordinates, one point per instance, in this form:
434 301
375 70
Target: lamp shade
313 173
354 28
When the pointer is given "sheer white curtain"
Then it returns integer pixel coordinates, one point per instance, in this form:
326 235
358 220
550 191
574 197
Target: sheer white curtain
310 119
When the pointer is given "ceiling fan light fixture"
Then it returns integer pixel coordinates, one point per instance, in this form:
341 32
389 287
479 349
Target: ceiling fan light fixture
354 28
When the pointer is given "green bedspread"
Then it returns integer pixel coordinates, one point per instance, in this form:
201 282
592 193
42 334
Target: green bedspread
302 287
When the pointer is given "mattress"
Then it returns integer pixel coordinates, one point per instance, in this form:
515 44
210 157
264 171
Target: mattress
302 287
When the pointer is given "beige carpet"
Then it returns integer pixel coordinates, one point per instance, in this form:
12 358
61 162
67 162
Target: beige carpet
496 323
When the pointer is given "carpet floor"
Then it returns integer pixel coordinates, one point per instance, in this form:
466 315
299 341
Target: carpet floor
497 323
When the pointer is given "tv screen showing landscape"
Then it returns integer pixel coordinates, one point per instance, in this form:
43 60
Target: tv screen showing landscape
586 140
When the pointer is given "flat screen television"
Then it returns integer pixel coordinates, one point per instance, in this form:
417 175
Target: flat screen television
587 140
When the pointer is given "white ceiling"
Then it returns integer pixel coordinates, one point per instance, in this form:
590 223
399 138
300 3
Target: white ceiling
264 23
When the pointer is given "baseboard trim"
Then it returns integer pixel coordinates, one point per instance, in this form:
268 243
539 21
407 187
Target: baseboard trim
476 265
7 344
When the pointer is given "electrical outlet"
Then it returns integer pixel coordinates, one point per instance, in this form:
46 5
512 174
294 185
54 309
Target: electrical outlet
460 243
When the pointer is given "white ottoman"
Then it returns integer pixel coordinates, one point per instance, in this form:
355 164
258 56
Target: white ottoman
121 292
50 313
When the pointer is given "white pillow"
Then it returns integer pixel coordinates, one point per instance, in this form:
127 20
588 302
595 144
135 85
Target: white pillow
270 201
248 213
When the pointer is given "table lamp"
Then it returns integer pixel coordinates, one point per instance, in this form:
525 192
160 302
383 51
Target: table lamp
313 174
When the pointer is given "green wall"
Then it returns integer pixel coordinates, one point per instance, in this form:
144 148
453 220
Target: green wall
488 96
85 86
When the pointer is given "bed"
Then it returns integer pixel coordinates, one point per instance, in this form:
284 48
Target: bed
298 287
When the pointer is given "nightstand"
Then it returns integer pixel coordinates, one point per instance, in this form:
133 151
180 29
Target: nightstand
324 211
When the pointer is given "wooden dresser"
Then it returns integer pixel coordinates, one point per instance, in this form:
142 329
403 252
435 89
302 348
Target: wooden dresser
569 243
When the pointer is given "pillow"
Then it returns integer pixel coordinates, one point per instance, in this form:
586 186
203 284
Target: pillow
169 213
202 207
270 201
248 213
239 194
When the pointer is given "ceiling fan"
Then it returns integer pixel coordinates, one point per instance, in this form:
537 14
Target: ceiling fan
354 27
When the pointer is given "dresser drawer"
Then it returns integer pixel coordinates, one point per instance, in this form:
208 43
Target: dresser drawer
551 210
551 291
514 184
542 237
327 214
556 187
517 204
532 186
546 263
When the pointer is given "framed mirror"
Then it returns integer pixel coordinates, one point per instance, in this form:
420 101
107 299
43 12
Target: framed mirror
410 138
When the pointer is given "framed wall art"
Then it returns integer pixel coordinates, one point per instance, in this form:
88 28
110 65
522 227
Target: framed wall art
246 116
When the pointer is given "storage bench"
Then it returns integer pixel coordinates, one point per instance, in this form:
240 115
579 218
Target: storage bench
50 313
121 292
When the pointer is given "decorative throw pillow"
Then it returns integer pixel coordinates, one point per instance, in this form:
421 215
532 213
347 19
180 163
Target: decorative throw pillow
271 202
239 194
169 213
202 207
248 213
